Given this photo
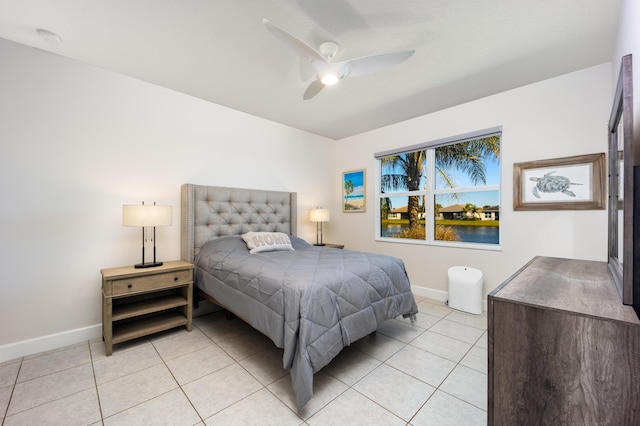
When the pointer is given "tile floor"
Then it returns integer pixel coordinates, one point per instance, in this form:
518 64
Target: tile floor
223 372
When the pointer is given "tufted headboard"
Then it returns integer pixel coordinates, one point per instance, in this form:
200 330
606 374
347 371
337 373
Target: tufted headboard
210 212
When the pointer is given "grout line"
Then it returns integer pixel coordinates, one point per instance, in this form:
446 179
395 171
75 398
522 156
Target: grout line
13 388
174 377
95 381
265 387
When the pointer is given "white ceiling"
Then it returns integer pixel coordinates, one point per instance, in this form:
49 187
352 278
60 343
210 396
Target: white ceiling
219 50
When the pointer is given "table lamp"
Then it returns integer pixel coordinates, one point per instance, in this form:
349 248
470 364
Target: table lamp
319 215
143 216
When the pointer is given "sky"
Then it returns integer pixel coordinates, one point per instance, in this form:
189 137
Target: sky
357 178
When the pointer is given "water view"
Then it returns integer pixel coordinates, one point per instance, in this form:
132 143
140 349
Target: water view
467 234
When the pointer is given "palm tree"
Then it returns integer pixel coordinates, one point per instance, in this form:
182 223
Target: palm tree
348 189
472 211
468 156
385 207
412 166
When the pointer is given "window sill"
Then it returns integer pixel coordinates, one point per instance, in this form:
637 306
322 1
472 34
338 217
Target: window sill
459 245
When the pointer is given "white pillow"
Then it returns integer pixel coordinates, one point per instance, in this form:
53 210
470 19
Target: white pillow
266 241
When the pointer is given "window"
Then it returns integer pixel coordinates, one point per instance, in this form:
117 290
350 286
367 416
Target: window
444 192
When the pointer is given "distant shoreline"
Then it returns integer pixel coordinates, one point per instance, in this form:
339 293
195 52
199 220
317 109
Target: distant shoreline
447 222
354 204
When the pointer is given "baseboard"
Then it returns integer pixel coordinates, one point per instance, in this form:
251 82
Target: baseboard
439 295
430 293
49 342
67 338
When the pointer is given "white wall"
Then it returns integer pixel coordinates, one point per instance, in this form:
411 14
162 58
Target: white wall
563 116
77 142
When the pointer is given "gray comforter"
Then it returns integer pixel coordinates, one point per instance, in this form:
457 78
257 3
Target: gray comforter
312 301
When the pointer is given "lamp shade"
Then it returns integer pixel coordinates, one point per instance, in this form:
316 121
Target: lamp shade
319 215
146 215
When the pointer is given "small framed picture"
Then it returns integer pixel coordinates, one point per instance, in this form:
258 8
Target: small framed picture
353 191
569 183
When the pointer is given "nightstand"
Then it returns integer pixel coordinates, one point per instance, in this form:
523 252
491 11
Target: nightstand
139 302
338 246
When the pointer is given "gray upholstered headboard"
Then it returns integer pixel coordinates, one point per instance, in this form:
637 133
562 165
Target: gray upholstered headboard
210 212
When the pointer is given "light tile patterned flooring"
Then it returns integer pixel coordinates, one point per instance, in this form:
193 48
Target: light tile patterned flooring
223 372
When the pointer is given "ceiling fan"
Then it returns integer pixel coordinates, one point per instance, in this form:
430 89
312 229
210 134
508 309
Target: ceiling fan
329 73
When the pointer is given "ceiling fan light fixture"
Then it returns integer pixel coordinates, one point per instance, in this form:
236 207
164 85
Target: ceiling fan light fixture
329 79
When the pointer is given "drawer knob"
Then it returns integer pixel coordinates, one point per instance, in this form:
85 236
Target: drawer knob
175 278
130 285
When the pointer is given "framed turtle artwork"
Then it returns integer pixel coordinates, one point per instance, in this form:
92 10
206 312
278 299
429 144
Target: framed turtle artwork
569 183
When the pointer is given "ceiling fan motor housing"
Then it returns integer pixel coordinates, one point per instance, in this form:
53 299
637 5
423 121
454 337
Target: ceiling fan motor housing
329 49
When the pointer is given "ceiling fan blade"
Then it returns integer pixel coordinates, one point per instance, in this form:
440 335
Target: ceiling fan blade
371 64
299 46
314 88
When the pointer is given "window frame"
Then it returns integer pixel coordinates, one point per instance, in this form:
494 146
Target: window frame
430 192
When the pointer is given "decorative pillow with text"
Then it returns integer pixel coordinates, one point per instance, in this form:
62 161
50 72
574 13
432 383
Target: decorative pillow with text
267 241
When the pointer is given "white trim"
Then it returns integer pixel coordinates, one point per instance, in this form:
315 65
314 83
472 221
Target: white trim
52 341
439 295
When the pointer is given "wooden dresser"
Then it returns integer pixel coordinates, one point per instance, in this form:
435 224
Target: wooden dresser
563 349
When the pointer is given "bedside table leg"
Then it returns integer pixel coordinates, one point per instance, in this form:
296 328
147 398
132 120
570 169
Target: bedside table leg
189 308
107 324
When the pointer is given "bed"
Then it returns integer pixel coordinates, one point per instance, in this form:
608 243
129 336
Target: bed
310 301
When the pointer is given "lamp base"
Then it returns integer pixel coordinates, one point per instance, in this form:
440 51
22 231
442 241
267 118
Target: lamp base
320 245
147 265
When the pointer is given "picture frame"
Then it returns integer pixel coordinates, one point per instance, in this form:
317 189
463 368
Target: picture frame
354 191
568 183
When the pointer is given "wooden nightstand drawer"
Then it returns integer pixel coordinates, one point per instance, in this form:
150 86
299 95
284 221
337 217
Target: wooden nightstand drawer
133 285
